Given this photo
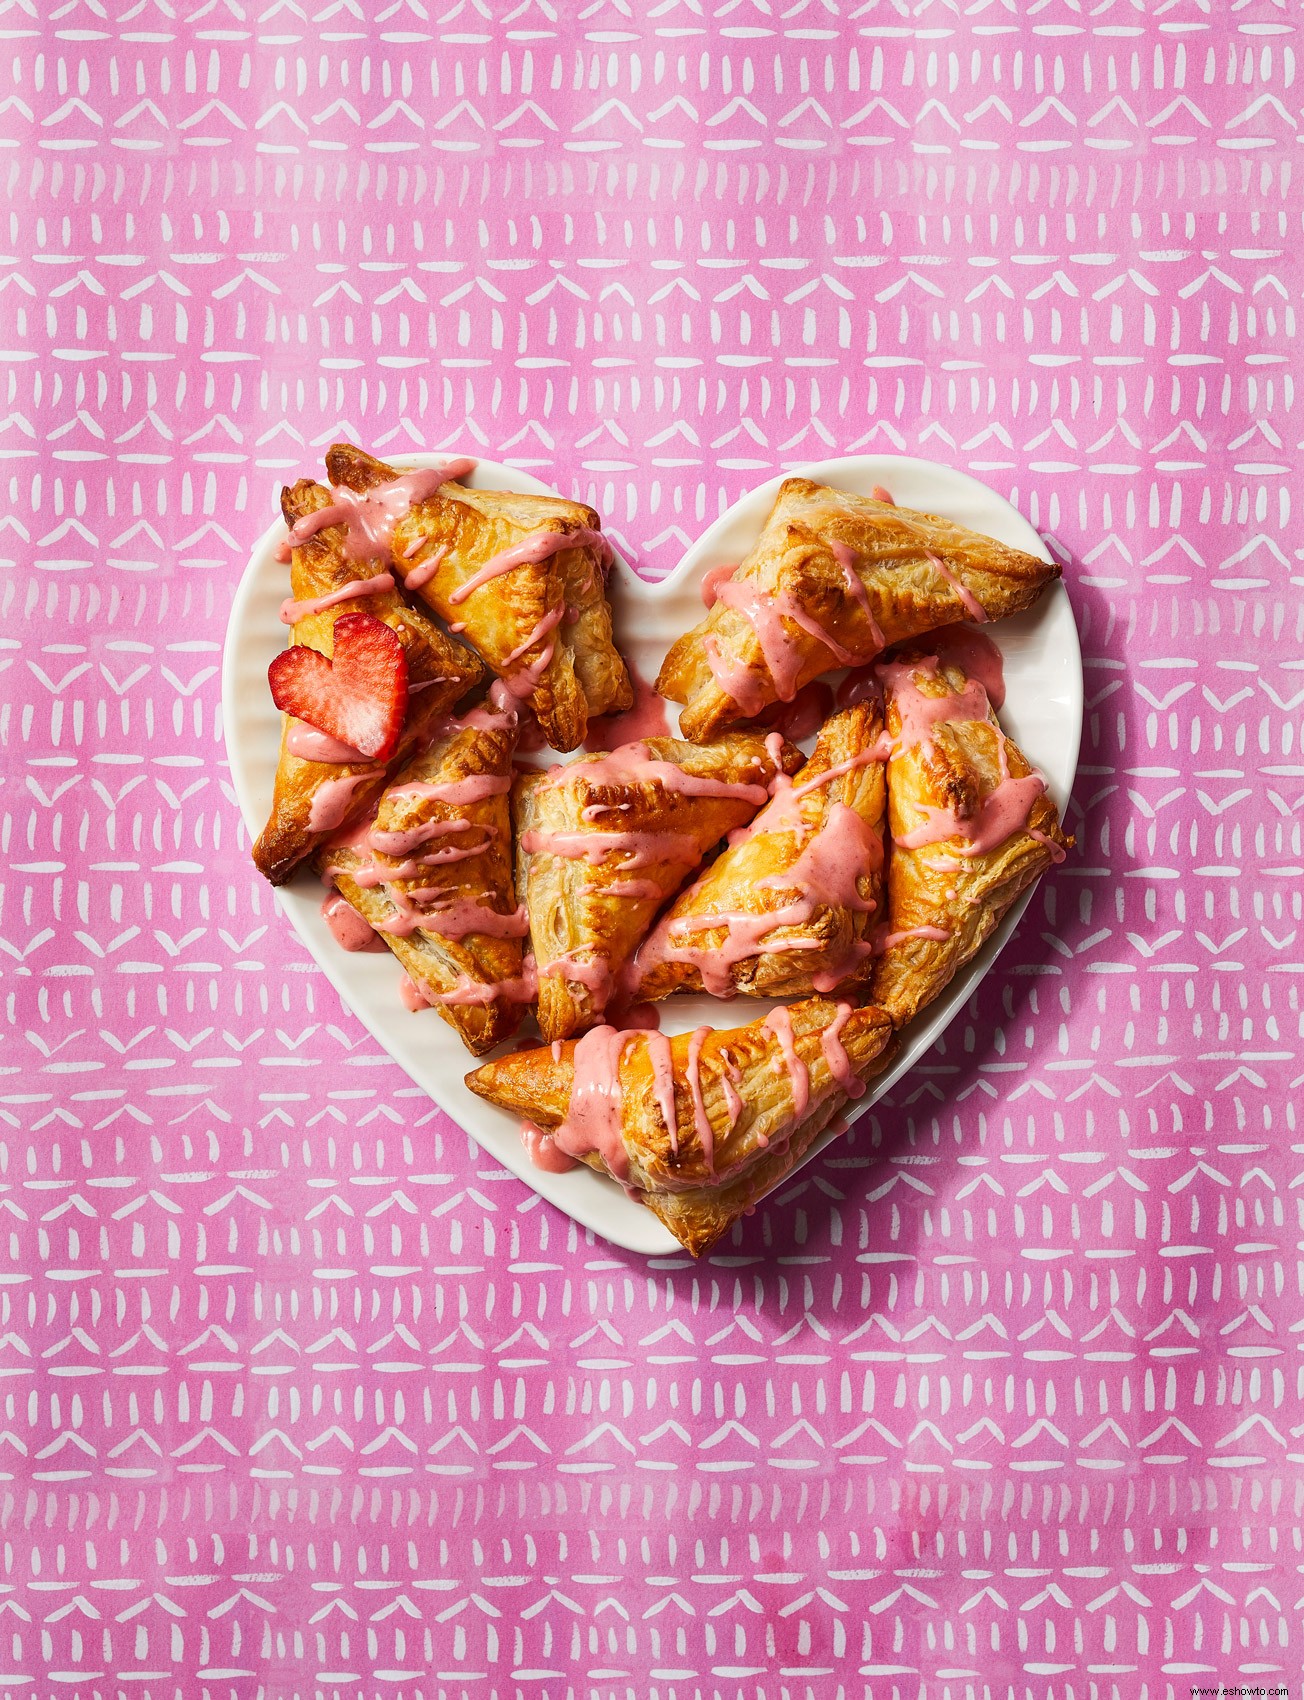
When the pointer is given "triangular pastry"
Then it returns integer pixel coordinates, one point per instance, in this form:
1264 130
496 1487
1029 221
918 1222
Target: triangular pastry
790 906
318 788
524 578
970 822
432 873
603 841
700 1126
832 580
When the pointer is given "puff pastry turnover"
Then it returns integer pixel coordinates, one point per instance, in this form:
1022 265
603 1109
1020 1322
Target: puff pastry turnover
971 827
524 577
788 908
433 875
317 789
702 1125
603 841
833 579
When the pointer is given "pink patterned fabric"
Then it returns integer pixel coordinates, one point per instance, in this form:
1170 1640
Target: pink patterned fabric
303 1396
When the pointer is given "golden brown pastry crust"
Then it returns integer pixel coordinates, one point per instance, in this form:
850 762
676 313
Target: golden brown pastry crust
591 907
935 885
804 833
578 671
440 965
446 670
740 1081
859 570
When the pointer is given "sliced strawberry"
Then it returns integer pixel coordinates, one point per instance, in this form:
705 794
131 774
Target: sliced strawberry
360 697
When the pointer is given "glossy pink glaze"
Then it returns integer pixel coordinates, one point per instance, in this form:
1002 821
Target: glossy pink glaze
860 685
403 843
544 1152
536 547
331 802
308 744
642 1018
372 515
847 559
636 849
455 792
765 611
886 940
976 656
454 916
827 872
921 713
657 1049
425 570
804 715
835 1055
646 719
348 928
292 612
410 994
1057 851
549 621
712 579
779 1022
701 1121
521 988
634 764
593 1116
972 606
1004 811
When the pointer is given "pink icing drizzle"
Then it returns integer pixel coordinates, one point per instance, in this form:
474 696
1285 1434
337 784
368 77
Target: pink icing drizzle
425 570
521 988
410 994
593 1116
974 654
292 612
544 1152
1002 812
636 849
712 579
371 516
332 801
474 789
835 1055
537 547
646 719
663 1082
349 930
701 1121
308 744
779 1022
765 611
846 558
972 606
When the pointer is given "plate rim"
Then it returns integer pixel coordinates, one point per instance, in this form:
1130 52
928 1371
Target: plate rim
642 1233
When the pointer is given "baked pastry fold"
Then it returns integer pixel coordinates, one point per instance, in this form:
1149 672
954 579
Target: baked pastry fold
700 1126
523 578
833 579
604 840
970 822
788 908
432 873
313 798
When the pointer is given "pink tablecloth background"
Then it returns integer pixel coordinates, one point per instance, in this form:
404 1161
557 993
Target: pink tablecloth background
303 1395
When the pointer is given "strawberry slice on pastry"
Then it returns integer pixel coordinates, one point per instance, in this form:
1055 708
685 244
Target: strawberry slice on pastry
359 696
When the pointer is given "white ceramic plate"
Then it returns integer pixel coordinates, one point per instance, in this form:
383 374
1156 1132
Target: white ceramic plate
1043 712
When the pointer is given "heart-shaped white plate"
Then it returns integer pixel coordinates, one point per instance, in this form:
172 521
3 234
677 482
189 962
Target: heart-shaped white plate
1043 712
